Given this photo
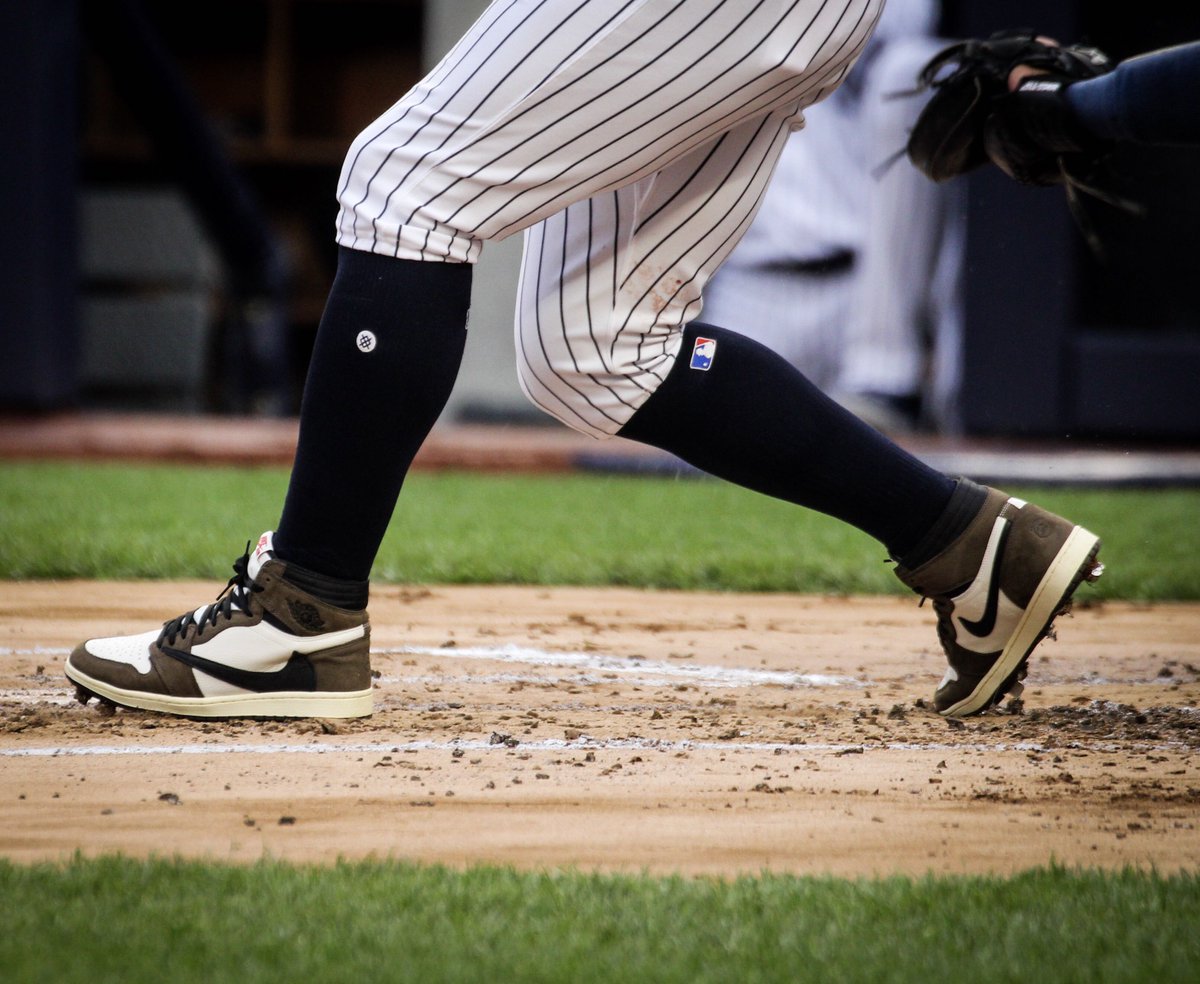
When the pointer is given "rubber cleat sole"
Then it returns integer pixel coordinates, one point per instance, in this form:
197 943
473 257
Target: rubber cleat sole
283 704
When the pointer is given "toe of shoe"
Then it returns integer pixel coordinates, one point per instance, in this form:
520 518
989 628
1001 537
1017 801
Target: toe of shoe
113 661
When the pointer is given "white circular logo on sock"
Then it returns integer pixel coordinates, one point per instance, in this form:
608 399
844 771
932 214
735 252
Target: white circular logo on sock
365 341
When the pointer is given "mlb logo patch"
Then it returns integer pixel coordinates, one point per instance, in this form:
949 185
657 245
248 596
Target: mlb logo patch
703 352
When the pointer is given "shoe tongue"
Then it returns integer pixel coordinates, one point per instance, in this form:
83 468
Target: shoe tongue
261 554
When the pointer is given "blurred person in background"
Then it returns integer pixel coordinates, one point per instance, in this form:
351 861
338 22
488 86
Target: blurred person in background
852 268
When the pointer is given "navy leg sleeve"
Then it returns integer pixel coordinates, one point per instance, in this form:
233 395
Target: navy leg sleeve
735 409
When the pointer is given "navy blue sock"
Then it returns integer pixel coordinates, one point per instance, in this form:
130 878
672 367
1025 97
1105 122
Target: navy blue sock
385 359
1149 99
750 417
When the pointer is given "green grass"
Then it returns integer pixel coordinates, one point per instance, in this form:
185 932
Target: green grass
115 919
121 521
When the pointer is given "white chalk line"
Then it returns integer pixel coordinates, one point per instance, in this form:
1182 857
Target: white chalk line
608 665
582 744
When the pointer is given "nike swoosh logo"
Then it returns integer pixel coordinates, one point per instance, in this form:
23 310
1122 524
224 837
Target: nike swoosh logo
297 675
986 623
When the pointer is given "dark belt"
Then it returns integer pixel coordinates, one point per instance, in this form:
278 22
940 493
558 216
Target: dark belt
837 262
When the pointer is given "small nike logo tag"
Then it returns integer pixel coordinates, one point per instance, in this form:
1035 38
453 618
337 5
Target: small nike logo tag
986 623
297 675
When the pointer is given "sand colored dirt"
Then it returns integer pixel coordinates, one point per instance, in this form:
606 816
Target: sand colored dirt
623 730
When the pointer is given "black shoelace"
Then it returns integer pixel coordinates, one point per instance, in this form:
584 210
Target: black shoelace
237 592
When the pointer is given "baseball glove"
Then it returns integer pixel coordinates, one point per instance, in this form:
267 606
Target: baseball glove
971 117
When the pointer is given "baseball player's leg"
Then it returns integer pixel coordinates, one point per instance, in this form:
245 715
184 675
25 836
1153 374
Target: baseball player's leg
384 361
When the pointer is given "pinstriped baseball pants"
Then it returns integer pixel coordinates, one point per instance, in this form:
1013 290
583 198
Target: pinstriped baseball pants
631 140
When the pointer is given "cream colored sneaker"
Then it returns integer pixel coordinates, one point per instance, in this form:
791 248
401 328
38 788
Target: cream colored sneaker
264 648
997 590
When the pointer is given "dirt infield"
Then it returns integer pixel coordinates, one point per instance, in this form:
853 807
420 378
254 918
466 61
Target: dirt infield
624 730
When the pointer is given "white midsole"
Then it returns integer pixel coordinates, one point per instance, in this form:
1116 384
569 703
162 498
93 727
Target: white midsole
351 703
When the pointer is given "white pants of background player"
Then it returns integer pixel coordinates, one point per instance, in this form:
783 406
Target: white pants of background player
890 324
633 139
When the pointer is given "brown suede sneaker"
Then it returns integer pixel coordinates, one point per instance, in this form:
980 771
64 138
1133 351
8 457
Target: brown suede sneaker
264 648
997 590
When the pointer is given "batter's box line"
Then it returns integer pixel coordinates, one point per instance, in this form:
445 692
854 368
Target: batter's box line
583 744
604 663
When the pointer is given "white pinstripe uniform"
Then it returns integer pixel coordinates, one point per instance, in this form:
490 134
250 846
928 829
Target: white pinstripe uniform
631 139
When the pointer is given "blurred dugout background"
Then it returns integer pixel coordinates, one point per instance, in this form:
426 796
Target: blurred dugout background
168 188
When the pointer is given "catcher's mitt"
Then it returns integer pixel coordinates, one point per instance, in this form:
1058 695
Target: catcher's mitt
971 117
